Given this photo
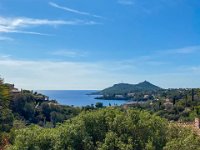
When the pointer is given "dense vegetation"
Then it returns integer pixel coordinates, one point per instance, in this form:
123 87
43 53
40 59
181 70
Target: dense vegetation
6 116
33 108
174 104
29 121
107 129
28 107
182 138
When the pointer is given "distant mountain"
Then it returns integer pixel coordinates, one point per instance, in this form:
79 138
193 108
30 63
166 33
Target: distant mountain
123 88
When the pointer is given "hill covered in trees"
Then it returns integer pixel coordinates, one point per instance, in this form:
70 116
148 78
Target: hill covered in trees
107 129
124 88
30 121
24 107
181 105
125 91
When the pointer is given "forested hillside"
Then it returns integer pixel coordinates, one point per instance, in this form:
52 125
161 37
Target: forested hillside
124 88
107 129
29 121
23 108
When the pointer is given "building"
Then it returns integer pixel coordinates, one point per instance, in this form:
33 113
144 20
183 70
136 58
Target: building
168 105
119 96
12 89
146 96
131 94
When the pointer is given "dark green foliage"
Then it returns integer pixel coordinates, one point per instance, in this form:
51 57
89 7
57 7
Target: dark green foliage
105 129
99 105
108 129
29 107
6 116
56 117
6 120
192 94
33 108
184 104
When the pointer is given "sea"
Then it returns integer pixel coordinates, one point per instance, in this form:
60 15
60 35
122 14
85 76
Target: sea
77 97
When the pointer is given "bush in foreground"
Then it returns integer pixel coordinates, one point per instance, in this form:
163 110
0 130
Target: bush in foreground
105 129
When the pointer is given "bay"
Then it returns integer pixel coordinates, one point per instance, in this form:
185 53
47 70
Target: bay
77 97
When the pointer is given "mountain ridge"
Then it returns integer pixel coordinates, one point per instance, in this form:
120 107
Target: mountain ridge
124 88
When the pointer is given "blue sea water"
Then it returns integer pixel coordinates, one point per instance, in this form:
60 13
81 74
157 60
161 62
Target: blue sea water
77 97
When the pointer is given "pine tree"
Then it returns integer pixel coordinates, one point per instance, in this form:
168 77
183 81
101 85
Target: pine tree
174 100
192 94
186 99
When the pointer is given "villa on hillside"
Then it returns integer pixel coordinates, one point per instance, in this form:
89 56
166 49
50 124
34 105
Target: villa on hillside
168 105
12 88
131 94
146 96
119 96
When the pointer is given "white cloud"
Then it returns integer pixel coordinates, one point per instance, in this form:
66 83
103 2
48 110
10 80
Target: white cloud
69 53
14 25
15 22
59 74
43 74
184 50
126 2
73 10
176 51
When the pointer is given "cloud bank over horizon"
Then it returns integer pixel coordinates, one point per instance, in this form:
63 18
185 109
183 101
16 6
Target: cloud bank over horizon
95 44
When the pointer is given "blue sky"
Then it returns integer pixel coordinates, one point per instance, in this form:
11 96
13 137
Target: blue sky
92 44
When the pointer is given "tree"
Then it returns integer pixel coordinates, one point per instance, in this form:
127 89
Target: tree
103 129
56 117
181 138
174 100
6 116
186 100
192 94
99 105
29 111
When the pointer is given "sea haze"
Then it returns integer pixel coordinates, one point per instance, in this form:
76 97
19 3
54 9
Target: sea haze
77 97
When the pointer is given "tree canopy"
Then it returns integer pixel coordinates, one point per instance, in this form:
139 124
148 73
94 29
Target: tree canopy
105 129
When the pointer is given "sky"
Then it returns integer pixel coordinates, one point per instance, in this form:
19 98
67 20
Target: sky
93 44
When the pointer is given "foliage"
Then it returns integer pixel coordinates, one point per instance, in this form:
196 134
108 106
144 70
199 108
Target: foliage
183 105
105 129
99 105
28 107
33 108
6 116
182 138
110 128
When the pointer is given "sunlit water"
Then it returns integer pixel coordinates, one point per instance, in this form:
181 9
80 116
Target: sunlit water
77 97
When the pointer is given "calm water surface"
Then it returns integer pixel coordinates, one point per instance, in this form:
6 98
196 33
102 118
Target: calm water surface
77 97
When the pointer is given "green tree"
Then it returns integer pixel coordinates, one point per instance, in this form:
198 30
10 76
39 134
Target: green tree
6 116
103 129
182 138
99 105
56 117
